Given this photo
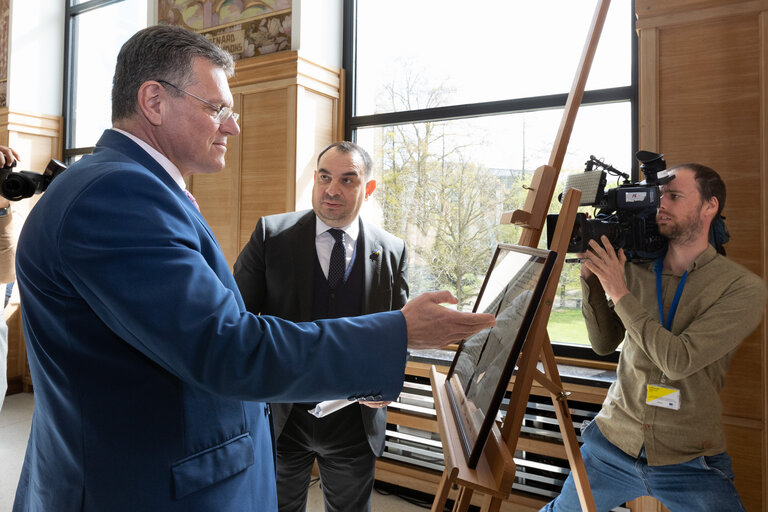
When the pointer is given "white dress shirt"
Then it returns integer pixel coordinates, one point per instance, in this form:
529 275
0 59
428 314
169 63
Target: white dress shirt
169 166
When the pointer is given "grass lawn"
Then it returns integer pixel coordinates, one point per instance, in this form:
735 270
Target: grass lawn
567 325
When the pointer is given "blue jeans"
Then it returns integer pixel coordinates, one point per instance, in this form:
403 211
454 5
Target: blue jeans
701 484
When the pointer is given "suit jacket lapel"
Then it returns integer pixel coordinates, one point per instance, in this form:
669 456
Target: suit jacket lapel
304 264
372 255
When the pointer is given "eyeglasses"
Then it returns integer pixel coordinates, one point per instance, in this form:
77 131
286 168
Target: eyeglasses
222 113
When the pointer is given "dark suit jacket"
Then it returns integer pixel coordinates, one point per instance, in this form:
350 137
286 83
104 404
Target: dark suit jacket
275 273
149 374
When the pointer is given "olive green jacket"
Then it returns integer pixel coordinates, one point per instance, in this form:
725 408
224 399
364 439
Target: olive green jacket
721 304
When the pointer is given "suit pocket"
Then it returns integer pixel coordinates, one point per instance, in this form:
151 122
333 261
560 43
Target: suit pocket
212 465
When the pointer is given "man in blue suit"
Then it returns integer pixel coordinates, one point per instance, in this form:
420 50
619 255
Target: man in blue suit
287 270
149 374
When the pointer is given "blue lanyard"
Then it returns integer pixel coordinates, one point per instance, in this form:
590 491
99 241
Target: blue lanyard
675 300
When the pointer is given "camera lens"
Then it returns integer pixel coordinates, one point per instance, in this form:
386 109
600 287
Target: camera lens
16 187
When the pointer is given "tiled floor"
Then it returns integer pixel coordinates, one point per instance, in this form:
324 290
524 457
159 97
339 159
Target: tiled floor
15 419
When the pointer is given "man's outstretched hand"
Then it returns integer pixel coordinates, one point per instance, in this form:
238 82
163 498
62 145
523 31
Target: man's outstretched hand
431 325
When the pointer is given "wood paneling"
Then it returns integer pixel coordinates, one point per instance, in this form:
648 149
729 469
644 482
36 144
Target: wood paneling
36 137
699 63
267 164
663 13
311 138
743 443
703 99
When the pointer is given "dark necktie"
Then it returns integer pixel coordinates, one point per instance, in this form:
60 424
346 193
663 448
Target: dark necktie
192 198
338 263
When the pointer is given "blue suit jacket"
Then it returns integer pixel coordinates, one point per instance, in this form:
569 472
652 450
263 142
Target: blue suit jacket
149 374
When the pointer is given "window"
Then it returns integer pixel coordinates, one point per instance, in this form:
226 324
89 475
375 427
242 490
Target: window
95 31
458 103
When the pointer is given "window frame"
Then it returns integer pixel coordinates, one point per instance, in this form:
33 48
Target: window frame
69 151
352 122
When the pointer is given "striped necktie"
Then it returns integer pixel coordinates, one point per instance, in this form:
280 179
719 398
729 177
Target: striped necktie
192 198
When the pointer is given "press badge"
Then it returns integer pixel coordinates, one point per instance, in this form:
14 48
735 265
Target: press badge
662 396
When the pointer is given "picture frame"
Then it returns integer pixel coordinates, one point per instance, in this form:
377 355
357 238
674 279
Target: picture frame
483 364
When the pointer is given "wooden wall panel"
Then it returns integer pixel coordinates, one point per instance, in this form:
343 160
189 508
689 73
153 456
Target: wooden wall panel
741 394
718 101
266 158
313 136
660 13
647 8
36 137
709 91
747 465
703 99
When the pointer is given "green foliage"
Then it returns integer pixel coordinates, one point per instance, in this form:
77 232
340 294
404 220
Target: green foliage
567 325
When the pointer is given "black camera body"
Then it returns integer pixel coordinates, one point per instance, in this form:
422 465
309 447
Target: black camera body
17 185
626 214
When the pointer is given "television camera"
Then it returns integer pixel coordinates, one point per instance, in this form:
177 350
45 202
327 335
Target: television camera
17 185
625 214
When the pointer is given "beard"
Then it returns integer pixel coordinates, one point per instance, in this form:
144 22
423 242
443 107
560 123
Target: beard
682 230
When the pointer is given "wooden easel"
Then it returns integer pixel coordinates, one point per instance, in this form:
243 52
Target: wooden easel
495 471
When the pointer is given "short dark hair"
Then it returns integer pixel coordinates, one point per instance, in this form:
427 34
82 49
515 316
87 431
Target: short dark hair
708 181
350 147
160 52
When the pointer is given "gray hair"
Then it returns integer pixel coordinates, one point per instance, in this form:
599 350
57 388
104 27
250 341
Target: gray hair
350 147
160 52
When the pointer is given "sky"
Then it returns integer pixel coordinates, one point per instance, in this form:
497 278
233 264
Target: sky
502 49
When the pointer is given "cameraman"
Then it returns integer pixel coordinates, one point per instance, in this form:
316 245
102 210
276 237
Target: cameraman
659 431
7 272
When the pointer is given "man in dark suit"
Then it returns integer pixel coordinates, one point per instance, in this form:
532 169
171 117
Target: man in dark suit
286 270
150 376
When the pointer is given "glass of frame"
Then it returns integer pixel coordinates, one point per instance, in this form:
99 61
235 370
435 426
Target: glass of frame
483 365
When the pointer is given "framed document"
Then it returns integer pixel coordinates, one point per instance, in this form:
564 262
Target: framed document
484 362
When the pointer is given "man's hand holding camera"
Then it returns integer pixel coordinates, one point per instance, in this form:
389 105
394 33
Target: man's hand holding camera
8 155
608 265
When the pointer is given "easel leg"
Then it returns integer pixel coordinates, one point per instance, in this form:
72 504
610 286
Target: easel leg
574 455
441 496
565 421
463 500
491 504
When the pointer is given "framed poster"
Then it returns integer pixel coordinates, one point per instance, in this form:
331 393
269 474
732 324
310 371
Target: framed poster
483 364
